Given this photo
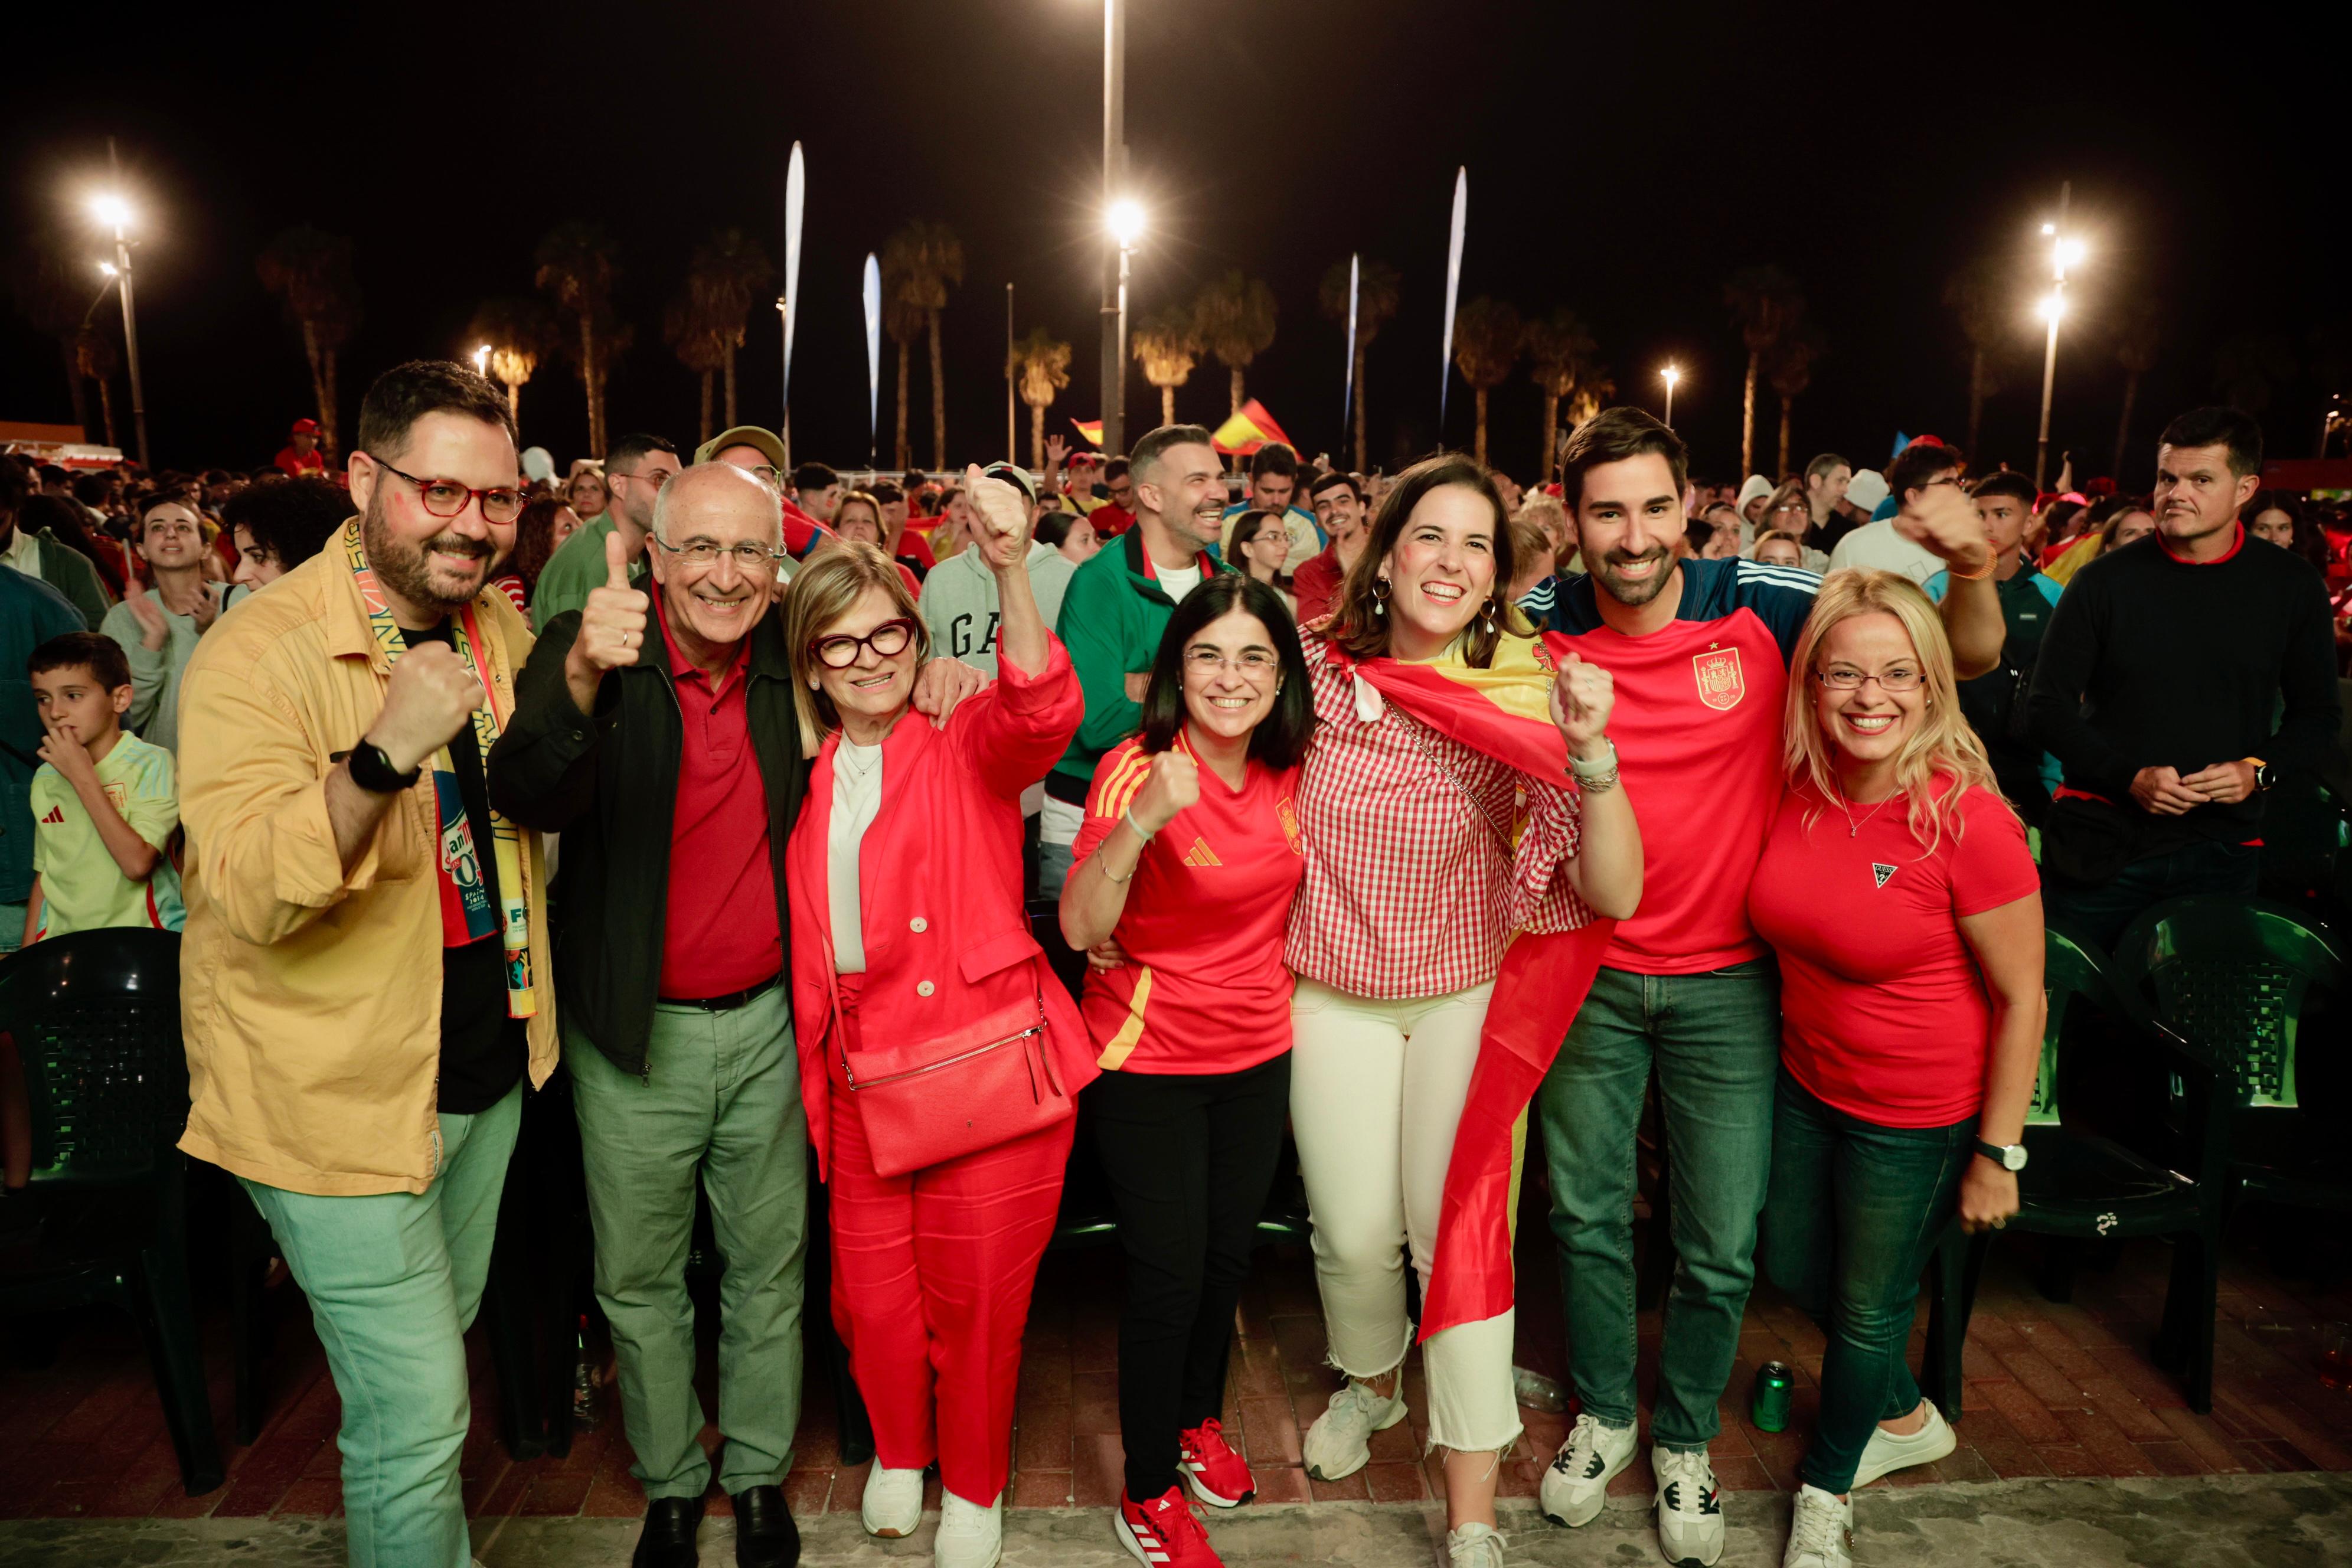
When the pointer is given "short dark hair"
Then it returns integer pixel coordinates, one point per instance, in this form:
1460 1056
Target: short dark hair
15 484
1146 452
1274 458
290 518
1280 738
914 480
815 477
93 651
1917 464
2016 486
2214 425
91 487
1825 464
407 393
1332 479
632 450
1114 469
1055 527
884 491
1612 436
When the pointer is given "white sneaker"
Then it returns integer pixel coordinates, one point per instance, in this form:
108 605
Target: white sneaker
1474 1546
1690 1507
1885 1451
893 1504
1339 1442
970 1536
1820 1532
1576 1486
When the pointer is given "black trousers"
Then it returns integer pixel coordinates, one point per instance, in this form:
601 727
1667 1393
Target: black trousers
1190 1160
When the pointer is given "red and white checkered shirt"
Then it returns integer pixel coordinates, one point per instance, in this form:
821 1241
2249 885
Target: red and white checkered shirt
1410 888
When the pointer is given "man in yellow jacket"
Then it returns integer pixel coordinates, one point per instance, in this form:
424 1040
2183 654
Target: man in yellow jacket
365 978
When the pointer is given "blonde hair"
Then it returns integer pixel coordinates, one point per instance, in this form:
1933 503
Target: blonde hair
1547 512
825 589
1943 746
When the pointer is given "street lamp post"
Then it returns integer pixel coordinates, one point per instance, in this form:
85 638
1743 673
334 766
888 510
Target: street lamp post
1670 376
112 211
2063 252
1126 222
1114 289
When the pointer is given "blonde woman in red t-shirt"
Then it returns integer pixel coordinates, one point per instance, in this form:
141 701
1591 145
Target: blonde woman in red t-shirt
1189 858
1910 948
1424 856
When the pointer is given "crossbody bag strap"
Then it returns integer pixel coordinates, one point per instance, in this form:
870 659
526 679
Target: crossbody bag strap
1413 729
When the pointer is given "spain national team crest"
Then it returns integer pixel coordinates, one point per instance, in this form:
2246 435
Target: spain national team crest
1288 817
1721 683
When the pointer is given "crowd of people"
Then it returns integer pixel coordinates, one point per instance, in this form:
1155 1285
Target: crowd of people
1377 813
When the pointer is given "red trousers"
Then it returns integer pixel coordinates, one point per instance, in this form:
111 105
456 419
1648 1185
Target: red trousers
931 1275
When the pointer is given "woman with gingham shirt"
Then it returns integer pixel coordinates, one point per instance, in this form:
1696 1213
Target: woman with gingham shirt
1422 856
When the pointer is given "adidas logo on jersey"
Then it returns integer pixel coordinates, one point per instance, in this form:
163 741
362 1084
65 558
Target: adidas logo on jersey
57 816
1200 854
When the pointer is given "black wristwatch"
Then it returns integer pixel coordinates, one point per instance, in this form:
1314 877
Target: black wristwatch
374 772
2265 775
2008 1156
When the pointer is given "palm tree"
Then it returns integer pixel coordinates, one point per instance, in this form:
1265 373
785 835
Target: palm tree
1042 360
1563 358
95 360
1975 294
1486 348
519 334
1234 318
1792 371
1378 289
927 259
728 274
57 303
2136 335
1765 303
1166 344
904 320
702 342
311 271
576 269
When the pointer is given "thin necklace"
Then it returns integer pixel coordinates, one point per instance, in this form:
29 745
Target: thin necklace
1852 828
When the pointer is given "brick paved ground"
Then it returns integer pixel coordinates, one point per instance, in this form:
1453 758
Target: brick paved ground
2052 1390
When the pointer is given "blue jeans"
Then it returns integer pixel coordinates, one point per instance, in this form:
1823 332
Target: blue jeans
393 1280
1715 1042
1856 1210
2101 912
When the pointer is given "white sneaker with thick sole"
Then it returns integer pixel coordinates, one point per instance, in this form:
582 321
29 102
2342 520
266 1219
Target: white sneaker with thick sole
893 1504
1475 1546
1885 1451
1690 1508
1339 1442
970 1536
1820 1532
1576 1486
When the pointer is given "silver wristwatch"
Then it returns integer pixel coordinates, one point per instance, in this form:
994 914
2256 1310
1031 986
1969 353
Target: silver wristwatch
2008 1156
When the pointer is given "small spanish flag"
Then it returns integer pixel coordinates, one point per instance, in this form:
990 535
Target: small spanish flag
1092 430
1248 430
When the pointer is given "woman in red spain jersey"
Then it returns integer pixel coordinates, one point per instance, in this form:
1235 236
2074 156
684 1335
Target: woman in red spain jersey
1190 857
1910 948
1421 862
913 962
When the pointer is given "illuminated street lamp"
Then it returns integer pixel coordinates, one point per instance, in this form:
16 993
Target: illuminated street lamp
112 211
482 360
2065 252
1114 274
1125 221
1670 376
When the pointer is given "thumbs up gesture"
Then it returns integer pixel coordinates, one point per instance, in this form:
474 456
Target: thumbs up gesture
612 623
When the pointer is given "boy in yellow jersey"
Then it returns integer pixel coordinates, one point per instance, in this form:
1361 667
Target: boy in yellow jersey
105 803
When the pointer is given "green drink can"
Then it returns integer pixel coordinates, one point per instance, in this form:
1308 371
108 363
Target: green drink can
1769 1407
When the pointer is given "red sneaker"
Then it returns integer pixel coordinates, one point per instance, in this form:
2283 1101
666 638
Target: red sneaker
1164 1533
1219 1476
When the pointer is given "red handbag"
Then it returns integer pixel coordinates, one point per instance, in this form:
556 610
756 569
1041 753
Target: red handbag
985 1084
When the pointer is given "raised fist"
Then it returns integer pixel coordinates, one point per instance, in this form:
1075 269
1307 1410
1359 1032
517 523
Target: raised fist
1174 784
431 697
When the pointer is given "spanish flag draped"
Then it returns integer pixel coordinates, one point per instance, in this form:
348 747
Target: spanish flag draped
1091 430
1502 712
1250 428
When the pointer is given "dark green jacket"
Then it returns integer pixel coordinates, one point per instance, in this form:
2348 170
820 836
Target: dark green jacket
1112 614
608 782
71 572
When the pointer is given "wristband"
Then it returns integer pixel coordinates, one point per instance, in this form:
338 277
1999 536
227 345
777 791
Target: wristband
1593 773
1134 826
1991 561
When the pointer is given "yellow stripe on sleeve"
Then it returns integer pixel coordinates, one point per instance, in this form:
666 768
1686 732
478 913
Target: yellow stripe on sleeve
1122 770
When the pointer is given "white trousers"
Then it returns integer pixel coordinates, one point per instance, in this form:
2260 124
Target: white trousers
1376 1091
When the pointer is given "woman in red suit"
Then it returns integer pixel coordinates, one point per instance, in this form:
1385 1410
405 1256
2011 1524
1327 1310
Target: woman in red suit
939 1058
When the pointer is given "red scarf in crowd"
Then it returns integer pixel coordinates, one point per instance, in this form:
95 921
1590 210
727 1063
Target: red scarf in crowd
1501 712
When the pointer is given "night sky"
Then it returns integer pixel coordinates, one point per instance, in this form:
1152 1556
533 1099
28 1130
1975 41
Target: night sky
1624 160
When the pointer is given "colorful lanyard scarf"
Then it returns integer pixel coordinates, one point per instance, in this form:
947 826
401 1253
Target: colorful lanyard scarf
466 913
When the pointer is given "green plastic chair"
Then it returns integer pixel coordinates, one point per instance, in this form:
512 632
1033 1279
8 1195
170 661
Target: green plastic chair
2238 976
2082 1184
